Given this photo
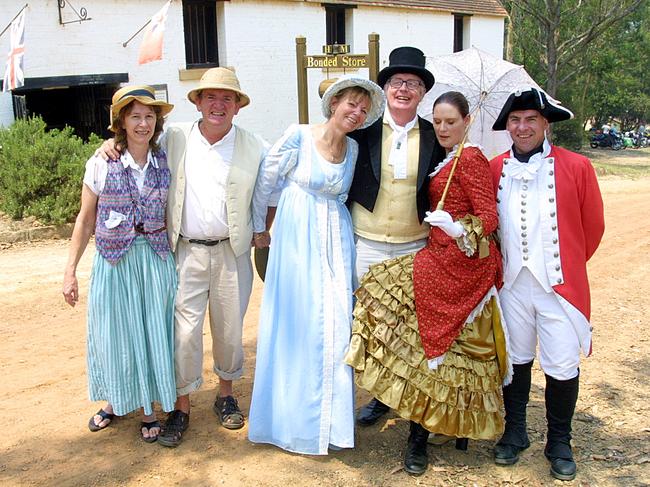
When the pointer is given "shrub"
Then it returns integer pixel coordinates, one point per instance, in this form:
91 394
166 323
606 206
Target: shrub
41 171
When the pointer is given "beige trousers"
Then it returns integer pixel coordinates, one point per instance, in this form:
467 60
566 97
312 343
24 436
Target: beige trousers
214 277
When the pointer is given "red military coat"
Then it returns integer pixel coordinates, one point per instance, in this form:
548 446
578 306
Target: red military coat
580 220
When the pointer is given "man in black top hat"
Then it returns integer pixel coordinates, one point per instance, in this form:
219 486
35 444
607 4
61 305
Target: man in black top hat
550 224
389 194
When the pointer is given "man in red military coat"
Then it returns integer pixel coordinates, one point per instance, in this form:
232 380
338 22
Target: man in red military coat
551 223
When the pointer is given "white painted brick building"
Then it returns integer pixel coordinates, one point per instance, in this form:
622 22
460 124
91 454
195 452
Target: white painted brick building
72 69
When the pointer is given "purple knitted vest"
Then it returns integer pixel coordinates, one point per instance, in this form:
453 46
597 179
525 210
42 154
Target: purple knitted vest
121 194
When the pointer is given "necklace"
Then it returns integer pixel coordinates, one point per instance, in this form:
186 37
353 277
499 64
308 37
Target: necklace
334 153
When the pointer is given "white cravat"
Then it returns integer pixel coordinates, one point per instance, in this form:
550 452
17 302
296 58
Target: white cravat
527 170
398 156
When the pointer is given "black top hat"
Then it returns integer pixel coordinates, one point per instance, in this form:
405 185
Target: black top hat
531 99
406 60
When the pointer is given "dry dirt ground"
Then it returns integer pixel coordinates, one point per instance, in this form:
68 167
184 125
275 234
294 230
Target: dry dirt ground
44 407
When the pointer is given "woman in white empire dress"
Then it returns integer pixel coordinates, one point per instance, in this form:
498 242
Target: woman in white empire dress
303 394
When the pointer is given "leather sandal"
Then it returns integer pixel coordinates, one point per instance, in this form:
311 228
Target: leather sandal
149 426
227 409
92 426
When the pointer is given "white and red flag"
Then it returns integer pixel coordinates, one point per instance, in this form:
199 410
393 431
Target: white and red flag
14 74
152 44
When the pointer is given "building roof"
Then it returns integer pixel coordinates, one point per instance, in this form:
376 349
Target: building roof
484 7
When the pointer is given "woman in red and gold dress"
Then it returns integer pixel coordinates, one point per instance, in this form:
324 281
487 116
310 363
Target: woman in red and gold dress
428 338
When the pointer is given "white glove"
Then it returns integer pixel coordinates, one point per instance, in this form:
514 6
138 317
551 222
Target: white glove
442 219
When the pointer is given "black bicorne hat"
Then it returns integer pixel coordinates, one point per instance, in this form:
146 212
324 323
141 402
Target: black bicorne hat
531 99
406 60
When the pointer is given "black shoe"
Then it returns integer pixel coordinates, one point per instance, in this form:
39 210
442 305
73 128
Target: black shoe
371 412
563 468
416 460
505 454
176 424
462 443
227 409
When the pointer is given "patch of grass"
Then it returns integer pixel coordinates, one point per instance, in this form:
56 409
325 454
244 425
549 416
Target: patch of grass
632 171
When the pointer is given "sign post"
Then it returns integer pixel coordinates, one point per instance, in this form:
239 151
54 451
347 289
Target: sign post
336 56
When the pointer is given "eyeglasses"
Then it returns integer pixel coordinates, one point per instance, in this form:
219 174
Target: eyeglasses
411 84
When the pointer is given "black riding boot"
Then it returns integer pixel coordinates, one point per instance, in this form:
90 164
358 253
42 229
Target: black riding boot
371 412
415 458
515 400
561 397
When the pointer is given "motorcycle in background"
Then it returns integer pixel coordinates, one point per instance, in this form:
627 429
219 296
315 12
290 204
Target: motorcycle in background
640 140
613 140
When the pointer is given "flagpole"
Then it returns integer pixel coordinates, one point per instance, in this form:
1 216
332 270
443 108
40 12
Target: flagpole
126 43
11 21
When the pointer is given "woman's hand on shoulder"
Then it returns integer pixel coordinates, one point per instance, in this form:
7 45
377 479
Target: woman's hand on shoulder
108 150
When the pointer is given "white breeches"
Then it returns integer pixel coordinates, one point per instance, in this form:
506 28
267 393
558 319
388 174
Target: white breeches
532 315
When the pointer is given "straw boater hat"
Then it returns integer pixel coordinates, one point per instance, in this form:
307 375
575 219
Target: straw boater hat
530 98
142 93
219 79
377 97
406 60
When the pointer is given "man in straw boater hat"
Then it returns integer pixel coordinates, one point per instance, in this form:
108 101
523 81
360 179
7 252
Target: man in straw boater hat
389 194
214 165
551 223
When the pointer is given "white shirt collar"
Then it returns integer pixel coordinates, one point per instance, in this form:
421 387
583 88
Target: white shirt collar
388 118
226 139
127 161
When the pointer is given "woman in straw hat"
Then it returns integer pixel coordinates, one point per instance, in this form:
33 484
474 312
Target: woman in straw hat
427 338
303 392
133 281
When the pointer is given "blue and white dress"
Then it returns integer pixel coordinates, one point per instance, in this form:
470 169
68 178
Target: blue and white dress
303 396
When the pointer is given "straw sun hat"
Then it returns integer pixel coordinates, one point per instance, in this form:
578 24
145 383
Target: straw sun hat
219 79
377 97
142 93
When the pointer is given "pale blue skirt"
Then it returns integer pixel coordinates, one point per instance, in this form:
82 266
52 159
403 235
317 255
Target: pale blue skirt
131 330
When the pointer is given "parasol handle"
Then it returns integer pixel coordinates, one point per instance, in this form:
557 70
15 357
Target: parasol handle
441 203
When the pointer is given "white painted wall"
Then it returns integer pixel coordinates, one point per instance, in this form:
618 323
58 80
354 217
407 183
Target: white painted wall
486 33
255 37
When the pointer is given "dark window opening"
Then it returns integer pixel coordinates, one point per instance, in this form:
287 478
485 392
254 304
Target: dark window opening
458 32
335 24
200 27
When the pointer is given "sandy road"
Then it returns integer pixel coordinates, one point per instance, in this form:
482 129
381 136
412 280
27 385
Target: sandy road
44 406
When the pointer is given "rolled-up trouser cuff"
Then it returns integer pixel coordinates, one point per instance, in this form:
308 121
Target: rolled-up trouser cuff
229 375
188 389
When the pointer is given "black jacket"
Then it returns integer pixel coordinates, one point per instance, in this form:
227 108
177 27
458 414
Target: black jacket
365 185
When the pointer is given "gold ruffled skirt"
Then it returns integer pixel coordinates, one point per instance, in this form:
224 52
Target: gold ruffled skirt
462 397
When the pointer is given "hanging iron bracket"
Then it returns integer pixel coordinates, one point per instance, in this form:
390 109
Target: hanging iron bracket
82 13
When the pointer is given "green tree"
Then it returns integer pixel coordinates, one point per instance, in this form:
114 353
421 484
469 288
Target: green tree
558 32
619 75
571 47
